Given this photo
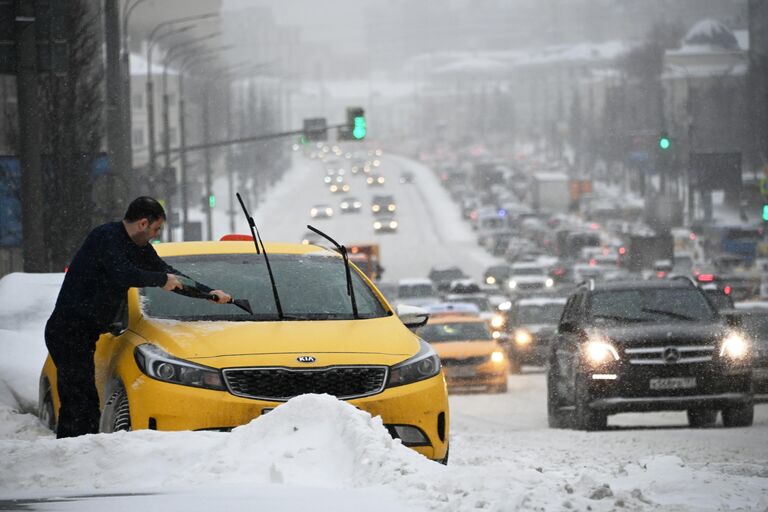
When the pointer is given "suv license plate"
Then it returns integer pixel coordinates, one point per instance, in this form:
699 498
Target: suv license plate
674 383
462 372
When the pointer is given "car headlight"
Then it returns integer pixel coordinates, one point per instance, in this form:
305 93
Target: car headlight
523 337
549 283
513 284
380 179
357 204
423 365
393 224
158 364
505 306
490 280
313 212
329 211
344 205
497 322
391 207
377 225
345 188
735 347
599 352
375 208
497 356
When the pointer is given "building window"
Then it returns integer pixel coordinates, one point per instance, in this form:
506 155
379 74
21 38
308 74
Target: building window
137 101
138 137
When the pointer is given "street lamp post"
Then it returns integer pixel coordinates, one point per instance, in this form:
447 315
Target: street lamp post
153 38
169 175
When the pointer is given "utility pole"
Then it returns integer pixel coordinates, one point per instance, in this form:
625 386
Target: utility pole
207 154
32 197
230 162
117 144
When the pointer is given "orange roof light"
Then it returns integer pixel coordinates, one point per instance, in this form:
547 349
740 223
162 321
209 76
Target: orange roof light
236 237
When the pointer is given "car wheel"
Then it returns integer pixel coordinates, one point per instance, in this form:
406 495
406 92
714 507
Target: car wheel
117 413
556 417
444 460
584 417
46 412
701 418
501 388
739 416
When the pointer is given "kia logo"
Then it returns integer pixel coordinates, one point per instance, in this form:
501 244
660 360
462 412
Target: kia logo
306 359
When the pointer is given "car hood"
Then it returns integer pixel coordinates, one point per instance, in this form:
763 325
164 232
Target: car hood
662 334
222 344
540 329
463 349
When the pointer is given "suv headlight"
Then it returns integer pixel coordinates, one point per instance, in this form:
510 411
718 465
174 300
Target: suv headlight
735 347
160 365
423 365
599 351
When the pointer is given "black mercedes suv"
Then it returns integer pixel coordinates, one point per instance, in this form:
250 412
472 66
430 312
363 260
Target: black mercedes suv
647 346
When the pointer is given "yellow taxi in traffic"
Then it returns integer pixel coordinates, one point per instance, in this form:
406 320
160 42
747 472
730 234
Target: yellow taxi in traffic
177 363
471 357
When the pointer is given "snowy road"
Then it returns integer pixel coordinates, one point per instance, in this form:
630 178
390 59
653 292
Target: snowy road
320 453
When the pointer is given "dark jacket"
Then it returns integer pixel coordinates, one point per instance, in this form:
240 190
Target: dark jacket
104 268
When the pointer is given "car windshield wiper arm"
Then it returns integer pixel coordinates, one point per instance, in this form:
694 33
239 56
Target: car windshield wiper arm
670 314
343 251
621 318
257 240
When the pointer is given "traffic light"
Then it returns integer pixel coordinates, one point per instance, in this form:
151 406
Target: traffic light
664 141
765 212
356 127
209 201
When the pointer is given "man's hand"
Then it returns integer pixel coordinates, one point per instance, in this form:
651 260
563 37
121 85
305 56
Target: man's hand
221 296
172 283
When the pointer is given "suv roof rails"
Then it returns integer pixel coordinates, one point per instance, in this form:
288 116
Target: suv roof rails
589 283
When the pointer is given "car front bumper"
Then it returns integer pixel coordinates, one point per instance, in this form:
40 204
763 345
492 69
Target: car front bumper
172 407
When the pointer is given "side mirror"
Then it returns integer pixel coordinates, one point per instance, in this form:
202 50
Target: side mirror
117 328
732 317
413 317
568 326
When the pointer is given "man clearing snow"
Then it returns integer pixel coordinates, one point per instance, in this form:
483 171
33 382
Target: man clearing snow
114 257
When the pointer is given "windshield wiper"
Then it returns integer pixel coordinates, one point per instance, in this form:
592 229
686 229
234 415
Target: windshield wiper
621 318
670 314
257 240
343 251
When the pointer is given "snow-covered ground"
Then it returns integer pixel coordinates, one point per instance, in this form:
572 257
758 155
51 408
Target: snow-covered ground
318 452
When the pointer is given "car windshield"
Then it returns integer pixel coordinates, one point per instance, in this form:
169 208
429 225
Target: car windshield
529 271
415 290
539 314
482 303
650 305
311 287
458 331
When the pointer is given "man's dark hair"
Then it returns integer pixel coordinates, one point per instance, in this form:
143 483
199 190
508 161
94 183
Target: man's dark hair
144 207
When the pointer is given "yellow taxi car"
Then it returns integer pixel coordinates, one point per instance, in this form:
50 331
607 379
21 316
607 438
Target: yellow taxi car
177 363
471 357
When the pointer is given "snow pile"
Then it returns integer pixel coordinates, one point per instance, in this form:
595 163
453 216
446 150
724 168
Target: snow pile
311 440
26 302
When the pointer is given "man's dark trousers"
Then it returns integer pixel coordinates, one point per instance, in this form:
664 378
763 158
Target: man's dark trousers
72 343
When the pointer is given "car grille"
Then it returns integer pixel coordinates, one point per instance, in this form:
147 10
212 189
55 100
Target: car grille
686 354
530 286
281 384
467 361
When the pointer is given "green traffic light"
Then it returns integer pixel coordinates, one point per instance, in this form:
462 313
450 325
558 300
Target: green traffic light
211 201
664 142
359 129
765 212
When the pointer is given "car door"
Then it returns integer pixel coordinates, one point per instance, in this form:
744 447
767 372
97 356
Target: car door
565 351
